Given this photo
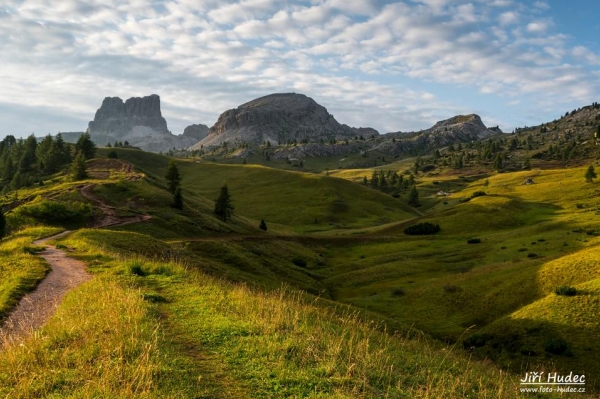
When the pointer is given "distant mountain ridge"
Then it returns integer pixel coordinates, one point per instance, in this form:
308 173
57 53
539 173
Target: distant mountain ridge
278 118
458 129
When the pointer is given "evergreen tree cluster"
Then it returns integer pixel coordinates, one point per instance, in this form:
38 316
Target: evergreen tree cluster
389 181
24 162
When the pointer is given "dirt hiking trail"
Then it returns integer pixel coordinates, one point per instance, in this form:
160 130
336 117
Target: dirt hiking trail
35 308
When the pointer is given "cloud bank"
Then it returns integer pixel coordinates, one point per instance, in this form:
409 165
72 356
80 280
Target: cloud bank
390 65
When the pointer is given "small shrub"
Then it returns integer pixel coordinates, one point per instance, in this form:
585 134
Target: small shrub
557 346
541 240
502 247
422 229
398 292
566 290
531 255
299 262
61 246
463 200
136 270
474 240
522 249
112 155
478 194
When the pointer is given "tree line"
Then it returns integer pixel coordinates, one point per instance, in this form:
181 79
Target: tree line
24 162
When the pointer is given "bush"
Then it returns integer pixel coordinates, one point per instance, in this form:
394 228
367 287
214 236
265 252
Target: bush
473 240
57 212
531 255
557 346
478 194
421 229
112 155
398 292
566 290
136 270
299 262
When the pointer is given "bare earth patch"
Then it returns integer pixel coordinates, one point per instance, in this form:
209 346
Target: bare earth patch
37 307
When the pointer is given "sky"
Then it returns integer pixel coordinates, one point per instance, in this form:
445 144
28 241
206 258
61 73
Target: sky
390 65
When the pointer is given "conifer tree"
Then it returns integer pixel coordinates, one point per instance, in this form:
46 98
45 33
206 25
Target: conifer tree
413 197
178 199
78 167
173 177
86 146
223 207
590 174
263 225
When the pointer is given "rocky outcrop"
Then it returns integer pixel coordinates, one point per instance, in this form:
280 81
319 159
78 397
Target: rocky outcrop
458 129
277 118
116 118
195 132
138 121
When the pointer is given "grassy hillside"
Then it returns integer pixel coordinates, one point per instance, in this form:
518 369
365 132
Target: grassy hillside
144 328
533 239
184 303
301 201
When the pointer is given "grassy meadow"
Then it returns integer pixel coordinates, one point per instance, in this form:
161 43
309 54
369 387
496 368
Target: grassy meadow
332 301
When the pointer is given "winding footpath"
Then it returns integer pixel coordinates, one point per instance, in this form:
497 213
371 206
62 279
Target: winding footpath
35 308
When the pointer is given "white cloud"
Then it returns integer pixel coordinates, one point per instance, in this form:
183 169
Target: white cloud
357 57
508 18
537 26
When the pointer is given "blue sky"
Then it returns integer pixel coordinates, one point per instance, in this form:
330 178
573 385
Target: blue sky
391 65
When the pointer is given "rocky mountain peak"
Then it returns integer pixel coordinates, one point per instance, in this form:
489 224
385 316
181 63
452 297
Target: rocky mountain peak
139 121
277 118
118 118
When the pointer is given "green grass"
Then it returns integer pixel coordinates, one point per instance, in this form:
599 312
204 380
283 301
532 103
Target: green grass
210 291
144 328
274 195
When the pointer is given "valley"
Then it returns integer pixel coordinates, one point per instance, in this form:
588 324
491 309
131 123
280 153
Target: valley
313 287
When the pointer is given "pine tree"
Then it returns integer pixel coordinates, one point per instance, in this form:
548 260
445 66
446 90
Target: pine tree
413 197
497 162
86 146
223 207
527 164
263 225
178 199
78 167
2 225
590 174
173 177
